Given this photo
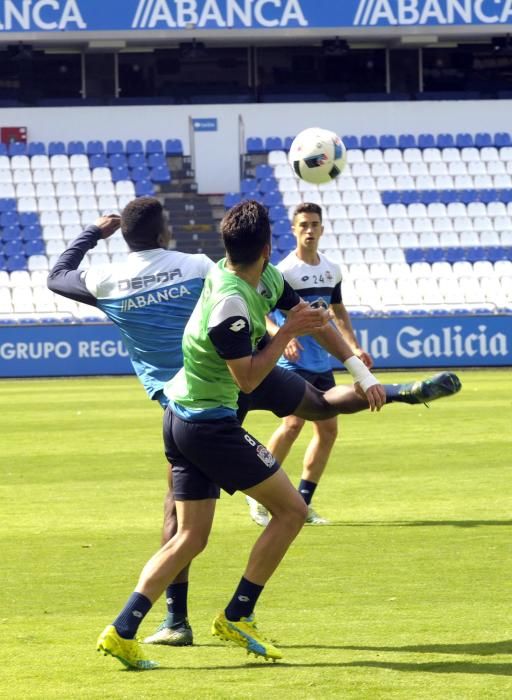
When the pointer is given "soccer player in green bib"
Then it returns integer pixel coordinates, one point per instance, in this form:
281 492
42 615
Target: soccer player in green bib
206 444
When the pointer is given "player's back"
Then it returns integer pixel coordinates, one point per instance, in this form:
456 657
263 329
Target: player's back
150 297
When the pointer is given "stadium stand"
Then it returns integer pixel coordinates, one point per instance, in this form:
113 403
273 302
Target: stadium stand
47 196
418 224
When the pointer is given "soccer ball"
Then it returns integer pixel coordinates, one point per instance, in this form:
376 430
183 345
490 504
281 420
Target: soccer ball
317 155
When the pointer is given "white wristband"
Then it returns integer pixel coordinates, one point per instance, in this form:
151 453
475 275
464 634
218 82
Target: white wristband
360 373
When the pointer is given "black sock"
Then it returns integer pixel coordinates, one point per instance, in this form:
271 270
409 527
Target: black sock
176 597
400 393
306 490
243 602
128 621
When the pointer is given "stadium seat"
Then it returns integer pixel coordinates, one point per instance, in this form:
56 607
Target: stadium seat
134 146
114 146
36 148
274 143
160 174
425 141
255 145
95 148
173 147
406 141
76 148
154 146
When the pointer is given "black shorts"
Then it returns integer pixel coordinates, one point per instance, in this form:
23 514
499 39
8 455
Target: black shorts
323 381
280 393
207 456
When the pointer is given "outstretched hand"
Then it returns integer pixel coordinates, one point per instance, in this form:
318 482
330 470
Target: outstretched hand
303 319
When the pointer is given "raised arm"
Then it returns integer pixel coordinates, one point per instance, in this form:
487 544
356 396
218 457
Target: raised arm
64 278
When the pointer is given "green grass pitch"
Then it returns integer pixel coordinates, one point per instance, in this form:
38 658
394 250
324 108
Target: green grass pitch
407 595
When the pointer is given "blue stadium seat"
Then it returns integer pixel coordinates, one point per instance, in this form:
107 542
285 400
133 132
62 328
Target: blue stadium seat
496 253
76 148
231 198
144 188
449 196
410 196
426 141
17 148
269 184
387 141
15 262
248 184
502 139
140 173
157 160
36 148
8 204
476 253
281 227
56 148
406 141
487 196
263 170
288 143
350 141
95 148
11 233
467 196
369 141
255 145
161 174
3 149
9 218
429 196
35 247
3 263
286 242
117 160
173 147
445 141
433 255
277 256
464 140
135 160
32 233
114 146
278 212
270 199
154 146
134 146
121 173
483 139
413 255
98 160
257 196
390 197
273 143
454 254
505 196
14 248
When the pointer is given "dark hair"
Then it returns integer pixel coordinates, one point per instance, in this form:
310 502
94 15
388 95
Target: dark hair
308 208
245 231
142 222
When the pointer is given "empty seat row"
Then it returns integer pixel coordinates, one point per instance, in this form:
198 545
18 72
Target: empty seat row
390 141
171 147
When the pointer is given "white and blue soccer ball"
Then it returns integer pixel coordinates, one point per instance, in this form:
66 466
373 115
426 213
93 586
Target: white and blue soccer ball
317 155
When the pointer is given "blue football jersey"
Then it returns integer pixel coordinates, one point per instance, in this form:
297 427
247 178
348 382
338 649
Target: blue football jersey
320 285
150 297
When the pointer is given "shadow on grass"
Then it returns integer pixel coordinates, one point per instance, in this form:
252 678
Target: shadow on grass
433 667
476 648
425 523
